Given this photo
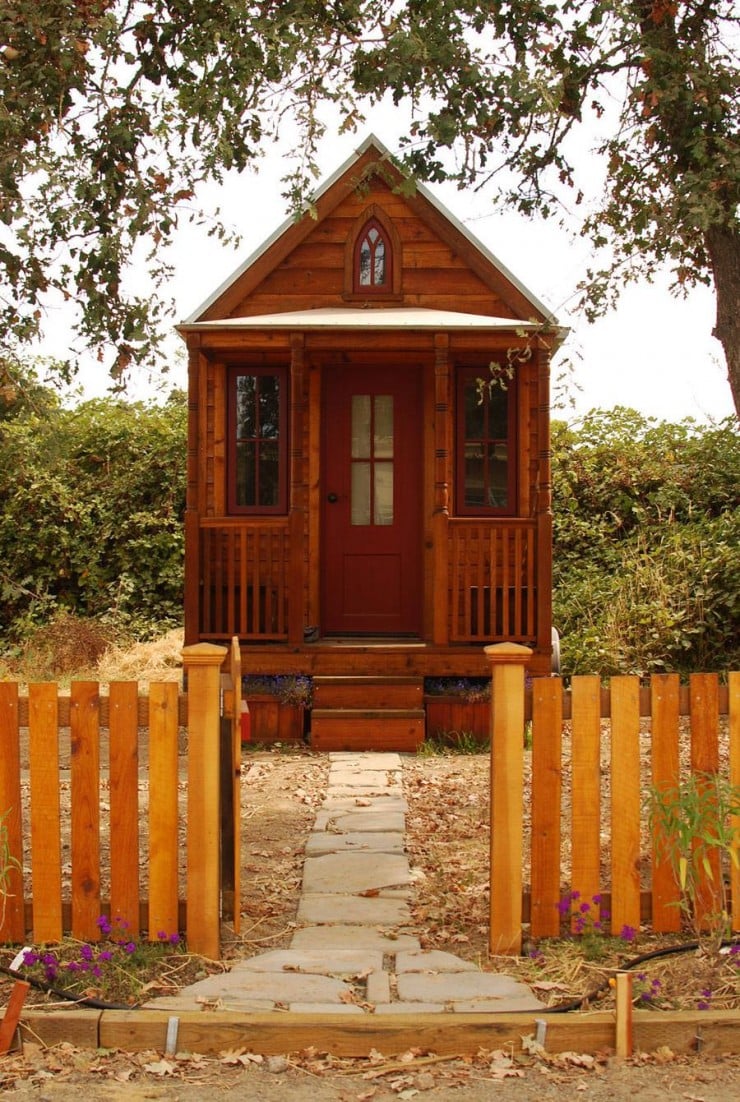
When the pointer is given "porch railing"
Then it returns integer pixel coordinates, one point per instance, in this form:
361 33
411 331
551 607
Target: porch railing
493 591
244 579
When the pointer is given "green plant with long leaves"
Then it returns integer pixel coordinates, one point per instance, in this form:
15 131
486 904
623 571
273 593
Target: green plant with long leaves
9 864
693 822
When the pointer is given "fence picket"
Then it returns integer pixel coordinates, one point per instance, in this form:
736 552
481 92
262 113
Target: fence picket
704 700
625 802
664 705
163 813
46 846
124 803
734 725
547 724
586 796
85 788
11 888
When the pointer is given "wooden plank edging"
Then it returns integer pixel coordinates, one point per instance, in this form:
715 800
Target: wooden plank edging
354 1036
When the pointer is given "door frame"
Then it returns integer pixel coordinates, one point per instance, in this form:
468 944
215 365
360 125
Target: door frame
417 494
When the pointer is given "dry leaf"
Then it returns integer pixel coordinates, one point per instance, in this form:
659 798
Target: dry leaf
161 1067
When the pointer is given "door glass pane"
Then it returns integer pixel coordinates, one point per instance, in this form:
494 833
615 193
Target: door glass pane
383 497
360 426
269 405
360 491
498 413
383 435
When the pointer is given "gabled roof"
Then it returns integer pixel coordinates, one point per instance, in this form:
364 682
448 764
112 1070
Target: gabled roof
288 235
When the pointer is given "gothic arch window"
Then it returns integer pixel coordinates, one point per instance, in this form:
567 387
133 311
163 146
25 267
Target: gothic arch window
373 258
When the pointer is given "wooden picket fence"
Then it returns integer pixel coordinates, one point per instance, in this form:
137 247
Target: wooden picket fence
150 855
597 753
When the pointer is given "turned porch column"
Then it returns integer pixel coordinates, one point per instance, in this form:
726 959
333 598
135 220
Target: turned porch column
441 516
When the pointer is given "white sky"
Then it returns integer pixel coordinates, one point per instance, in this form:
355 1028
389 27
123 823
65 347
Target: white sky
654 353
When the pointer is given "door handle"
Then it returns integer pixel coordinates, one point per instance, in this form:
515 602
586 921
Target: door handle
332 498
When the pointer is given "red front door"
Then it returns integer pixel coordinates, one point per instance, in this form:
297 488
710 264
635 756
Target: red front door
371 488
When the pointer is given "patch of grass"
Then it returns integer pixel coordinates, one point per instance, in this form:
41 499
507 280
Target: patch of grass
452 742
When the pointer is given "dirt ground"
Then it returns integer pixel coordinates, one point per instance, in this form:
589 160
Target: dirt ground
447 836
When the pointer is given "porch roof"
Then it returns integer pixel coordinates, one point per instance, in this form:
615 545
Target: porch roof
339 317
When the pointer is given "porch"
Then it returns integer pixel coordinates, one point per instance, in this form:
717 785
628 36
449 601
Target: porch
255 584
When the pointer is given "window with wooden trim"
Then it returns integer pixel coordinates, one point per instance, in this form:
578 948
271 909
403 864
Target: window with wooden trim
373 259
485 445
257 445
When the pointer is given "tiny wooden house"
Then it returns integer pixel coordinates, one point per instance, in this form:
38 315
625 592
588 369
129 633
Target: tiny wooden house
358 505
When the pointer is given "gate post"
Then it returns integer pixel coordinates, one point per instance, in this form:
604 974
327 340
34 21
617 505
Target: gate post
508 662
202 668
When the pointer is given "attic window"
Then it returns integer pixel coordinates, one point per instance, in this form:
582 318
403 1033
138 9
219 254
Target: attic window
373 259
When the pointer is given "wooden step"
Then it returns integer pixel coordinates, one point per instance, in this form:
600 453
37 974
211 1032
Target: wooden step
368 692
390 729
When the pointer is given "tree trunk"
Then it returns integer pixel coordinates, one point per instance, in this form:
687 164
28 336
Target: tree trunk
723 245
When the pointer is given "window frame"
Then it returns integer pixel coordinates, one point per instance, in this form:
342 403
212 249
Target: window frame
235 372
463 375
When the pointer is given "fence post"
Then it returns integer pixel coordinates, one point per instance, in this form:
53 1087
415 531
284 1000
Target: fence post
202 667
508 662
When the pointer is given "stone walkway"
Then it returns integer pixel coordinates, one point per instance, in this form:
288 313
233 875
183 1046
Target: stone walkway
352 952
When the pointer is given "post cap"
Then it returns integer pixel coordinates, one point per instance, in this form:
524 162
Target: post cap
513 653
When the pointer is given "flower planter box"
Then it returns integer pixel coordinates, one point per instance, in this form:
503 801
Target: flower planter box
272 720
448 714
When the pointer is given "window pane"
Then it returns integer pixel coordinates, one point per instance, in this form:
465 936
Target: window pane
383 503
269 473
245 474
365 263
498 475
474 412
474 475
383 437
498 414
360 426
379 266
360 491
269 406
246 389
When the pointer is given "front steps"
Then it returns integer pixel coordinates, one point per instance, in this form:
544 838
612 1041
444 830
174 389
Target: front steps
368 713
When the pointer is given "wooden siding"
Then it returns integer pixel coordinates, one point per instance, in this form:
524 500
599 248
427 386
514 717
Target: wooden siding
313 274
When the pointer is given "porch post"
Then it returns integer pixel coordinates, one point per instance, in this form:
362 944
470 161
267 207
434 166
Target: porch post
544 506
202 667
441 517
508 661
192 517
297 493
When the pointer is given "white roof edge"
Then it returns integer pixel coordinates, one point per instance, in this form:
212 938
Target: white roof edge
371 139
357 317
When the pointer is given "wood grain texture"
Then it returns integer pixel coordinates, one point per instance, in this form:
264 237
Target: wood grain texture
46 852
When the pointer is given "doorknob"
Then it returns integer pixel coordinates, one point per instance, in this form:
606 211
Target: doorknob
332 498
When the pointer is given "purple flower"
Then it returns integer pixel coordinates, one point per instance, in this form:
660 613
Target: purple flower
628 933
564 906
162 935
596 899
174 939
30 958
86 952
105 954
129 947
584 908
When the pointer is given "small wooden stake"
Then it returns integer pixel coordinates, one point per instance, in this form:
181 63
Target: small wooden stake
624 1014
9 1023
